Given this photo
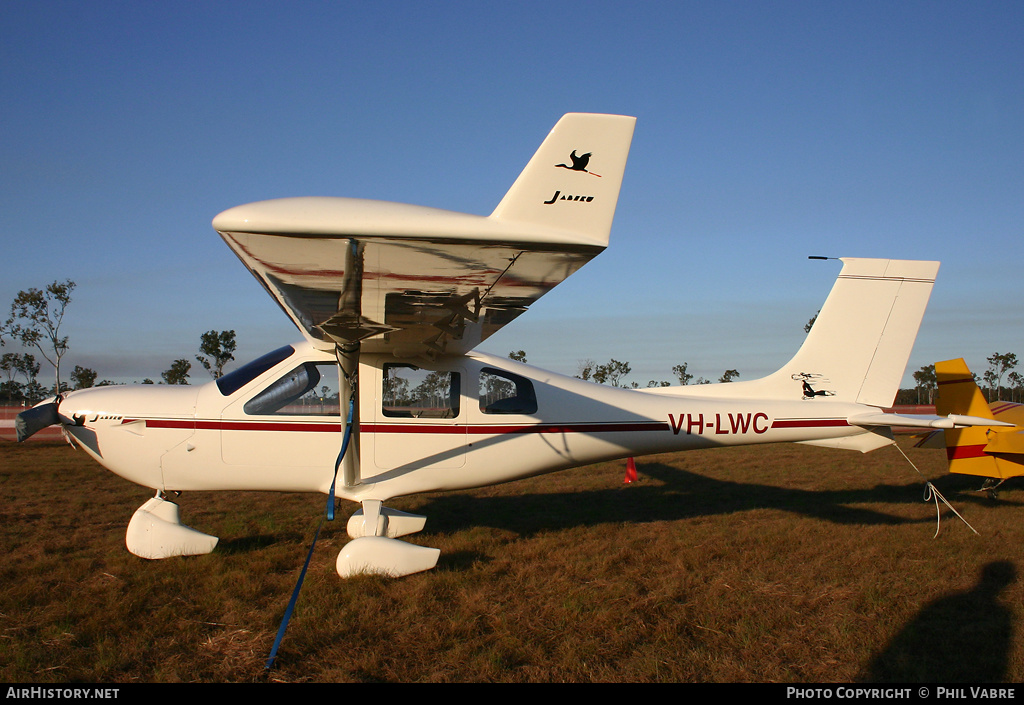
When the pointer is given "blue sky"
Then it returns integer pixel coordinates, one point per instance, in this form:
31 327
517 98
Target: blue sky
766 132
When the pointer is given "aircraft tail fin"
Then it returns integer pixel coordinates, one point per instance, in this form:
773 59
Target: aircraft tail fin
969 450
862 338
958 393
858 347
572 182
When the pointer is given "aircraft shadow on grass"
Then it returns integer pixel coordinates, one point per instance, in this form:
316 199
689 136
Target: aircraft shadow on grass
964 637
680 495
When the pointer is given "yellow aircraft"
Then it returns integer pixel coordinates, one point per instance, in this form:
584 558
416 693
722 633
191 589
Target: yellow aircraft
994 452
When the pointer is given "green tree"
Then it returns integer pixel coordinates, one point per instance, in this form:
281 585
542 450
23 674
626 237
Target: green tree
178 373
83 377
217 348
12 365
36 317
585 369
810 323
729 376
926 382
1016 381
35 392
612 373
998 365
681 374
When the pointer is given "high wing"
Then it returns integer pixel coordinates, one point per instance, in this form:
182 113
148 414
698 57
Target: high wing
411 280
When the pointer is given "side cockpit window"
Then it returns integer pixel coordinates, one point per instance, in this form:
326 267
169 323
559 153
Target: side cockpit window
311 389
411 392
505 393
233 381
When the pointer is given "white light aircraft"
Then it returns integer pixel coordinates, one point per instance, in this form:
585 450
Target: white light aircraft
387 390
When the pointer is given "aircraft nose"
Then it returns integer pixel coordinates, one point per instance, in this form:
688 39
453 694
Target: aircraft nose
115 425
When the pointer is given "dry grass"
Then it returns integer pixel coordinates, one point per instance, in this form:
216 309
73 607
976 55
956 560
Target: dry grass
783 564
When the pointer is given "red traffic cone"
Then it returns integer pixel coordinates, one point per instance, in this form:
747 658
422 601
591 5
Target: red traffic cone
630 471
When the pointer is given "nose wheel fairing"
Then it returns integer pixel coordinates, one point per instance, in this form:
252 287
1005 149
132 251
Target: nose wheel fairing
155 531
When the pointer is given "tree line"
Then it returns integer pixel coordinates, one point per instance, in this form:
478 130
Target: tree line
35 323
614 372
37 315
1001 368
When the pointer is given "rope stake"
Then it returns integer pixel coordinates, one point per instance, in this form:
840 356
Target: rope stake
931 492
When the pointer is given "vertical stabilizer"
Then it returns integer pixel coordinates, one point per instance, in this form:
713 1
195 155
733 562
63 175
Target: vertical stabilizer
572 182
858 348
958 393
863 335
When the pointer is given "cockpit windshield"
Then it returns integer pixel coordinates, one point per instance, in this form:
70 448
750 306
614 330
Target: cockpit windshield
233 381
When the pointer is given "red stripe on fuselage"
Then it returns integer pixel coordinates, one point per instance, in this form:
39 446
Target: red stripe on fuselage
532 428
490 429
965 452
808 423
335 427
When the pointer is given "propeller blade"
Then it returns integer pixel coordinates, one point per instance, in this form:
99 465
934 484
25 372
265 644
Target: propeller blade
35 419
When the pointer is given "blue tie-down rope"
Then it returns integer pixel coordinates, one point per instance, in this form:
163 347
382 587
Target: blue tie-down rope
330 517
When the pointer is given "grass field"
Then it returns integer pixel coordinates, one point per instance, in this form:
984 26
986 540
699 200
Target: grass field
773 564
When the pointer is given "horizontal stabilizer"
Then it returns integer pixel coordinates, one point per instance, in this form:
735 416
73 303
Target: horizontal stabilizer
1007 444
922 420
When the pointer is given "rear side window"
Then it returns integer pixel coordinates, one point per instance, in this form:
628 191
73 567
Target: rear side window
505 393
411 392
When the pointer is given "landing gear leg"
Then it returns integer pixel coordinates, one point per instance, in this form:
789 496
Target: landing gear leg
991 487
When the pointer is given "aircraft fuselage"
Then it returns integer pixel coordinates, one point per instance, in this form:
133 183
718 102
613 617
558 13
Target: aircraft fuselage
457 422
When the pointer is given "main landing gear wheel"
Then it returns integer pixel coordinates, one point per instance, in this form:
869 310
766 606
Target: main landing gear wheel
374 548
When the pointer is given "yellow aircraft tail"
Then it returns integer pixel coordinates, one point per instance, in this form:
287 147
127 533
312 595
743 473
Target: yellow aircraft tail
986 451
